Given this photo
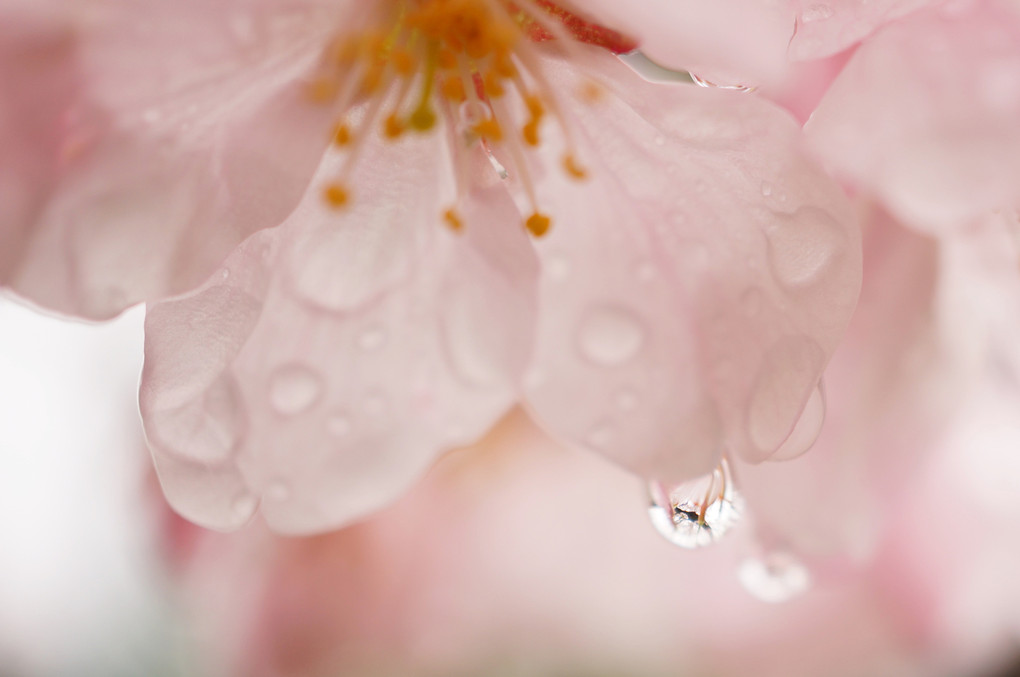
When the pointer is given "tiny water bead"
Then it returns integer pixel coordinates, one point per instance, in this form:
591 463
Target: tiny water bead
294 388
699 512
774 577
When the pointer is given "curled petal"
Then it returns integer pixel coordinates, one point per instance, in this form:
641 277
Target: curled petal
734 42
134 171
926 115
338 399
825 27
695 286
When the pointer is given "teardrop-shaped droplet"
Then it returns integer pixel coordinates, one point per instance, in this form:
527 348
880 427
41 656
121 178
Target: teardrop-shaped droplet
699 512
807 429
774 577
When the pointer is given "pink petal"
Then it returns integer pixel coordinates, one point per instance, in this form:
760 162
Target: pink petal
903 369
733 42
825 27
695 286
926 115
275 382
153 136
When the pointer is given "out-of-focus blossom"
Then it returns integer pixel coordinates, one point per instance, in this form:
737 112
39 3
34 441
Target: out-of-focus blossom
521 557
696 275
926 115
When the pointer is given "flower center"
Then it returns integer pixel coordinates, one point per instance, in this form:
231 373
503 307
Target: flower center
412 62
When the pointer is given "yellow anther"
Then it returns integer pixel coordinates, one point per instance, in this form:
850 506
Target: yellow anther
342 135
453 89
423 119
336 195
537 224
591 92
403 61
446 59
535 107
572 168
393 127
503 65
536 110
493 84
530 133
321 90
372 79
489 129
453 220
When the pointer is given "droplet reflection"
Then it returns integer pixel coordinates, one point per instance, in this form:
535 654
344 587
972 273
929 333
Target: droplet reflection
774 577
699 512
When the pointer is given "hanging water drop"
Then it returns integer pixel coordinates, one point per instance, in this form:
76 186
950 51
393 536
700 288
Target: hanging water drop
774 577
699 512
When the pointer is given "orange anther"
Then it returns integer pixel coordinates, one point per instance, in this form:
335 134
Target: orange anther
342 135
453 220
393 127
537 224
453 89
489 129
336 195
572 168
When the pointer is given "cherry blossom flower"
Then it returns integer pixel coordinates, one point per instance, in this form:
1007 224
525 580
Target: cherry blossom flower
521 554
656 269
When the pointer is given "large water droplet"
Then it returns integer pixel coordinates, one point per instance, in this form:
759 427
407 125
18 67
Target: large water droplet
775 577
294 388
789 373
696 513
610 336
808 428
803 245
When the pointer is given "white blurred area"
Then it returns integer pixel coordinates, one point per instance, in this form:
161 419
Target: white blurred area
80 587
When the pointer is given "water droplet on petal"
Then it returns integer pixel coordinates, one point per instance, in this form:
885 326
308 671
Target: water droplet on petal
372 338
626 400
702 82
659 140
808 428
600 436
803 245
374 404
766 188
225 274
244 506
789 371
338 424
699 512
610 336
775 577
294 388
278 490
816 13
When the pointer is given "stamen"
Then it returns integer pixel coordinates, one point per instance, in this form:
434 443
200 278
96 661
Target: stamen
453 220
538 224
336 195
